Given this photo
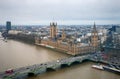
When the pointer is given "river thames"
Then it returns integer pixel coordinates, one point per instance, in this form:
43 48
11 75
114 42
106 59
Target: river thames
15 54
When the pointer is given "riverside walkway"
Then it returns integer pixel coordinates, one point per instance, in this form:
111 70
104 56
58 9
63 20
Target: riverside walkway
24 72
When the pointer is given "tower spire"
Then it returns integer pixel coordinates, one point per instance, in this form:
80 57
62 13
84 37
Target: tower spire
94 28
94 37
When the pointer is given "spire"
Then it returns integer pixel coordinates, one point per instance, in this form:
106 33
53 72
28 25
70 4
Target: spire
94 28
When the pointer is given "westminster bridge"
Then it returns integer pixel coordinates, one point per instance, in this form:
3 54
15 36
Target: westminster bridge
24 72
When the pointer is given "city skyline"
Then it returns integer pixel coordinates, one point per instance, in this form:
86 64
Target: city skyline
64 12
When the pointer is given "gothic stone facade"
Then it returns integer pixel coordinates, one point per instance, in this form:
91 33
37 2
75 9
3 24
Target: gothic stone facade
69 48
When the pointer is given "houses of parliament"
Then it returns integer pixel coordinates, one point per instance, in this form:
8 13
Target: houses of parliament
66 44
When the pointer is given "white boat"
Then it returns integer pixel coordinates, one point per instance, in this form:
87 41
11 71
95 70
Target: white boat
112 69
100 67
49 46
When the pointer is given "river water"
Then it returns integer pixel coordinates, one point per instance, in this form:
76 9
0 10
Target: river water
15 54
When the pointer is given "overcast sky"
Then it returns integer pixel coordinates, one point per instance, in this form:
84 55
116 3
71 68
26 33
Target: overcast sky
60 11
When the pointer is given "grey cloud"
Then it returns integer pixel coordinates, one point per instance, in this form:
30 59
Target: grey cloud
36 10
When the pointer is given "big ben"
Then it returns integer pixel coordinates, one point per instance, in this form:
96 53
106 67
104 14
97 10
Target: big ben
94 38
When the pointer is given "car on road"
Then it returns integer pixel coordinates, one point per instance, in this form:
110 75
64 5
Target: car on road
9 71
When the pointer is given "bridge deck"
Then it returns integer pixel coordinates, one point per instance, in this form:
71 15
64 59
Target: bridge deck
21 73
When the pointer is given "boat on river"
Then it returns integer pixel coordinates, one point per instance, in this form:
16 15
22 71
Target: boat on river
100 67
112 69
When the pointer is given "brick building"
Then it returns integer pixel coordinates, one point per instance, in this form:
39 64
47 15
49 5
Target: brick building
68 45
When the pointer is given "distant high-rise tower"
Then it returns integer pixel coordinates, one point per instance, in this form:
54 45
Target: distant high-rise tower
53 30
8 26
94 37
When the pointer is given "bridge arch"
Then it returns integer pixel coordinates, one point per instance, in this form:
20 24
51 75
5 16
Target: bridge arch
75 62
84 60
30 74
50 69
64 65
